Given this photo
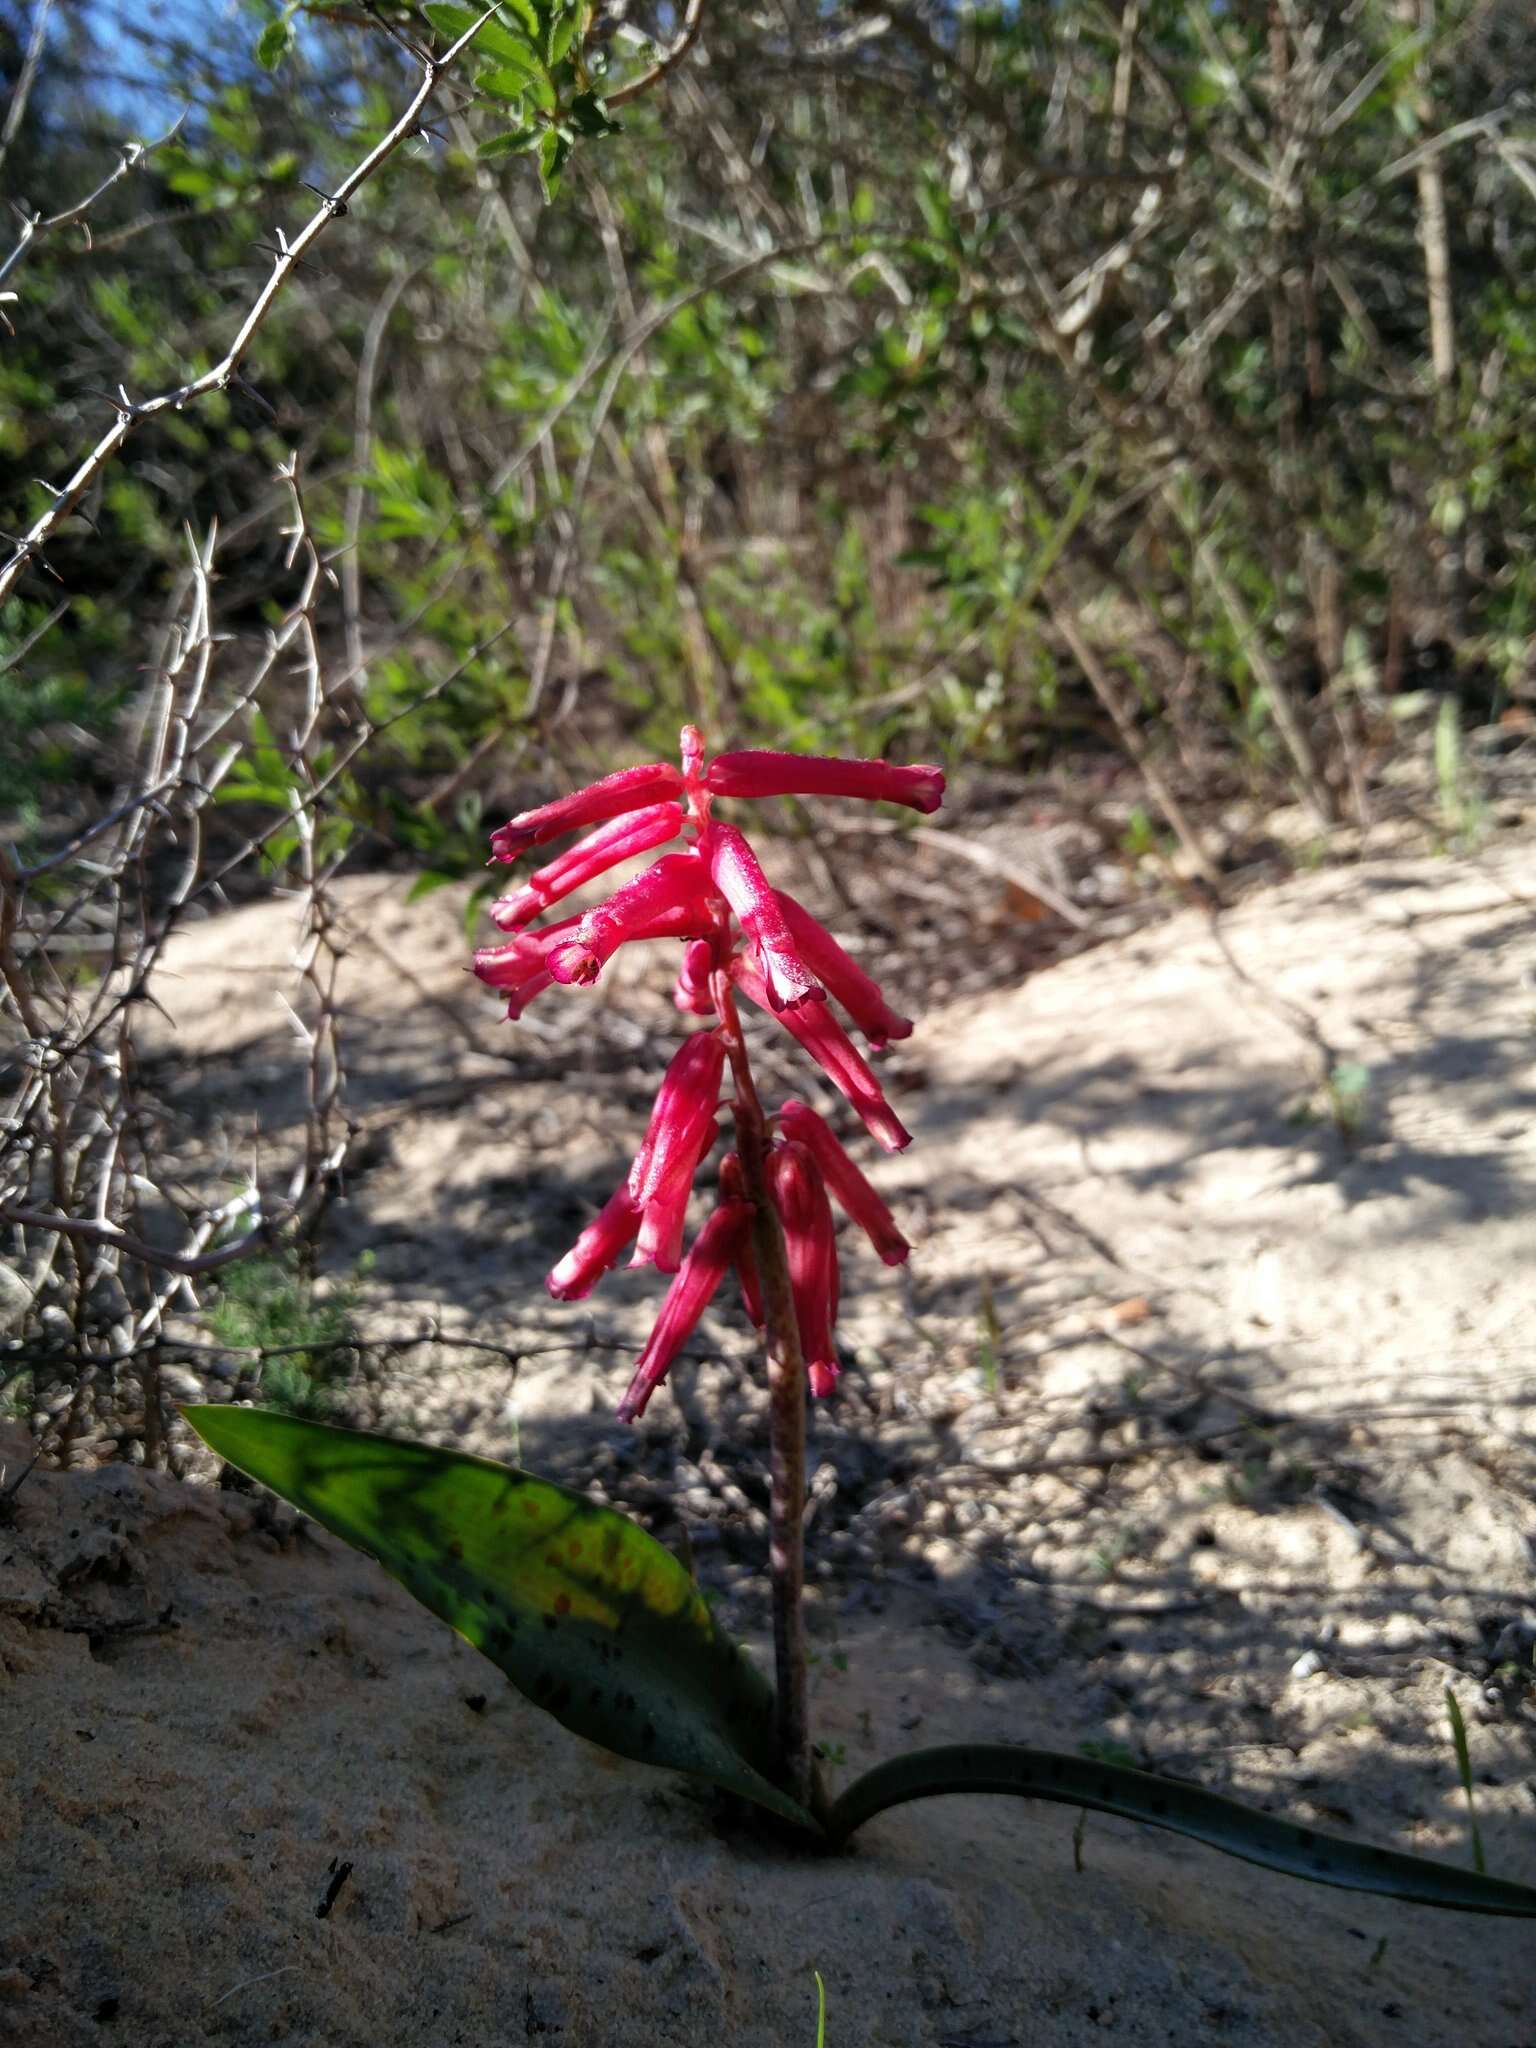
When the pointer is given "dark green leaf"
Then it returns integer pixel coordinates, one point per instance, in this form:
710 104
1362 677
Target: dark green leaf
583 1611
512 143
1183 1809
452 21
274 43
562 29
511 81
588 116
554 153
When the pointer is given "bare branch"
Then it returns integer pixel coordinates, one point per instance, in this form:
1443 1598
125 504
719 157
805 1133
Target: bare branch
131 416
669 59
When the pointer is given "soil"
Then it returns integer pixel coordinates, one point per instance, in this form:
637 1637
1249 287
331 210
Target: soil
1199 1430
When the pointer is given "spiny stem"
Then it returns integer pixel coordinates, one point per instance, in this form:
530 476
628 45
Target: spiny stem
786 1407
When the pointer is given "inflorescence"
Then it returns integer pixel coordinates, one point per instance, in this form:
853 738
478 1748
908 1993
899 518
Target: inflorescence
739 935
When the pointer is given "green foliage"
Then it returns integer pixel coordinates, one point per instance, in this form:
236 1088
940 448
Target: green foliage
304 1341
830 497
586 1614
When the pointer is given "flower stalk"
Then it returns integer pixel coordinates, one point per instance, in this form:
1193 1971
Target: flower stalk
786 1404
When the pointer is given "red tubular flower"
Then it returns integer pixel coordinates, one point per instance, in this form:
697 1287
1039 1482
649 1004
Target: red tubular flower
679 1138
629 790
682 1116
621 839
835 1053
733 1188
711 1254
521 965
736 874
845 979
597 1249
672 899
853 1192
809 1240
757 772
660 1243
692 993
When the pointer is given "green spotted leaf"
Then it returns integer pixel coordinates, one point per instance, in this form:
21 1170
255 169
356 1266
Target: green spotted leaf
586 1614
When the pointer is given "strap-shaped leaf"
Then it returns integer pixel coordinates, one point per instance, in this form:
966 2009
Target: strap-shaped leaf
1183 1809
586 1614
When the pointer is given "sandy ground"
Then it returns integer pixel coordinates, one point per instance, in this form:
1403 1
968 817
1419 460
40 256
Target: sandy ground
1200 1430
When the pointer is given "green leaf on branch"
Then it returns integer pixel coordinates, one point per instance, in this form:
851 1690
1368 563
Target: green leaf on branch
1205 1817
491 40
588 116
586 1614
511 81
563 24
274 43
512 143
554 154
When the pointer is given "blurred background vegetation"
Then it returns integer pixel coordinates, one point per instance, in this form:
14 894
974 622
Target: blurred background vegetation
1017 384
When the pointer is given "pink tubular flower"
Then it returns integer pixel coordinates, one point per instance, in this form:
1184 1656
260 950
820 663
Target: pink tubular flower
520 966
845 979
801 1200
621 838
853 1192
596 1250
680 1136
692 993
671 899
711 1254
736 874
681 1117
629 790
757 772
835 1053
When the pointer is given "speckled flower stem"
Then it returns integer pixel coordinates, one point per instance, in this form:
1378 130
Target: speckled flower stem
786 1408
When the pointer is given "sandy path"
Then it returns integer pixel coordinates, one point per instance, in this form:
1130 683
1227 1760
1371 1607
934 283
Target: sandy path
1281 1375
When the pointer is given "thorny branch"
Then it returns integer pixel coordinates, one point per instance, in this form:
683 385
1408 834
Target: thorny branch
131 414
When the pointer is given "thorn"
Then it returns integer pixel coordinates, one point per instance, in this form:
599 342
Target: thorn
337 206
281 253
244 384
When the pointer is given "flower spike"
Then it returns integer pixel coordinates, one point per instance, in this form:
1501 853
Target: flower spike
758 772
671 899
621 838
712 1253
853 1193
629 790
736 874
715 899
834 1051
